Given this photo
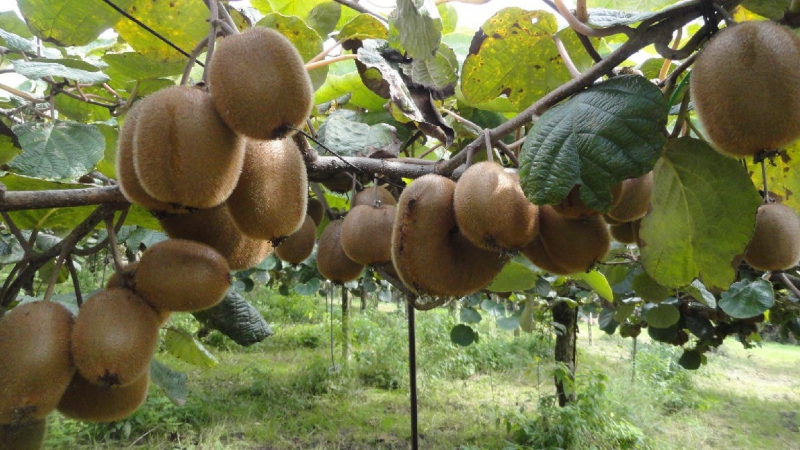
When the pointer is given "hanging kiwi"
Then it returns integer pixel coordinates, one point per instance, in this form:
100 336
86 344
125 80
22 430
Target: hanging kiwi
315 209
259 84
536 253
269 201
635 199
182 275
114 337
332 261
573 207
182 151
367 233
491 209
572 244
371 195
300 244
775 244
625 233
35 362
744 88
91 403
430 254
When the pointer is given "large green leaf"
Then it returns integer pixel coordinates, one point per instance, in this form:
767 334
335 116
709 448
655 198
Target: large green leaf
598 282
236 318
305 39
11 23
513 54
463 335
783 176
60 151
299 8
350 138
439 72
69 22
419 27
648 289
16 42
363 26
747 298
37 70
662 315
344 81
596 139
182 22
702 216
174 384
132 66
469 315
772 9
79 110
182 345
324 17
515 277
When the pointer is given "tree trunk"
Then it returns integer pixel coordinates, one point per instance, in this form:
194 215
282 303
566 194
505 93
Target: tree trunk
345 326
566 337
591 319
363 298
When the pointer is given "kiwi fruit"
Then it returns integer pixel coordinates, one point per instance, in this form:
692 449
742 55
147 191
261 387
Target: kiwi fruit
332 262
300 244
215 227
775 244
91 403
572 244
35 362
124 278
430 254
624 233
635 199
315 209
126 171
573 207
183 153
259 84
269 201
372 194
491 209
536 253
367 233
744 88
114 337
27 436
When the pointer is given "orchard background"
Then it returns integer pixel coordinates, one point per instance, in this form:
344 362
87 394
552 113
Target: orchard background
399 93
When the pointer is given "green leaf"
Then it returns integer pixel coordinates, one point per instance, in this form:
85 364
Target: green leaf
304 38
183 346
783 176
606 321
493 308
79 110
700 327
60 151
309 288
691 359
515 277
648 289
348 84
772 9
606 134
526 318
746 299
350 138
463 335
69 22
667 335
182 22
438 73
631 5
38 70
701 294
469 315
363 26
598 282
11 23
16 42
513 54
449 16
132 66
508 323
299 8
703 210
236 318
324 17
419 27
174 384
398 92
662 315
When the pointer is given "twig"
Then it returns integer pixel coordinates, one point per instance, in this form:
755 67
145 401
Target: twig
112 243
566 58
213 10
26 246
226 17
326 62
585 30
187 71
22 94
789 285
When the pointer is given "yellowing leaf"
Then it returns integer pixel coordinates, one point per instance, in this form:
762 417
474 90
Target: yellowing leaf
183 22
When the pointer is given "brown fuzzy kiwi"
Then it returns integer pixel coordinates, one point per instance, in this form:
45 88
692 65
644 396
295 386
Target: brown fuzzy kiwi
491 209
35 362
315 209
775 244
28 436
332 262
573 207
367 233
215 227
430 254
624 233
91 403
182 275
573 244
182 151
300 244
370 194
126 279
744 88
114 337
536 253
635 199
269 201
259 84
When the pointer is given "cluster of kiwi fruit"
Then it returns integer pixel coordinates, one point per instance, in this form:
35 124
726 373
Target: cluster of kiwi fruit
95 366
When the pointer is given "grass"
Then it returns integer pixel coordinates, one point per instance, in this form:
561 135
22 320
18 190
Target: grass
282 393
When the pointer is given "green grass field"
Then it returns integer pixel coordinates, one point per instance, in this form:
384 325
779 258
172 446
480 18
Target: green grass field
285 393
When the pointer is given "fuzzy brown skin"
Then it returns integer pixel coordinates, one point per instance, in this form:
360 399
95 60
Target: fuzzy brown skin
300 244
182 151
776 241
635 199
367 234
536 253
315 209
29 436
573 207
573 244
429 253
126 279
114 337
35 362
491 209
182 275
215 227
260 84
623 233
368 195
91 403
332 262
744 88
270 199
